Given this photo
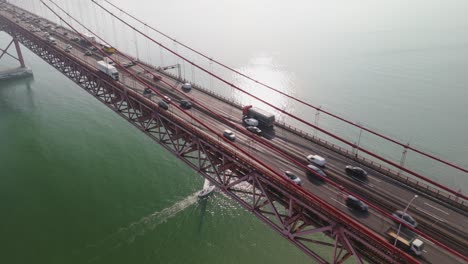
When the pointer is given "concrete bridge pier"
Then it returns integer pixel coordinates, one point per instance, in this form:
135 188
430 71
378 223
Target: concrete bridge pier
22 70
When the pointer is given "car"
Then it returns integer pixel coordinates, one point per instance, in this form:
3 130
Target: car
406 218
147 91
185 104
166 99
356 171
186 87
317 160
316 170
356 204
157 78
163 105
251 122
254 130
229 135
293 177
88 53
69 47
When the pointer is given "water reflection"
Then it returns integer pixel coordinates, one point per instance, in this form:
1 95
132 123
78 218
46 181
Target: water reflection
264 68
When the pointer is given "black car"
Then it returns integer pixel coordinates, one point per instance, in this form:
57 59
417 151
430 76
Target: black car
88 53
355 204
254 130
163 105
405 217
316 170
356 172
185 104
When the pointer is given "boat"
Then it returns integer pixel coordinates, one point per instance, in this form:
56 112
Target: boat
208 188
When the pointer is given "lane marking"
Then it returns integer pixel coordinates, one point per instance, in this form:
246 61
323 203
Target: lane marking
332 190
337 201
438 209
433 216
426 241
375 179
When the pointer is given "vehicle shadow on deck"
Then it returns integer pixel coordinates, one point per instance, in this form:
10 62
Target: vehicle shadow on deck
358 214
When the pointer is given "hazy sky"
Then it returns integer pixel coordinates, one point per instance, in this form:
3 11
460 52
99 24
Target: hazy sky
318 15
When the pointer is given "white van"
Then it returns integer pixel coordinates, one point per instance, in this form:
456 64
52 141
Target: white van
317 160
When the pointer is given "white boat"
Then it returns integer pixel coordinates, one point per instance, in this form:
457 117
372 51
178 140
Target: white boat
208 188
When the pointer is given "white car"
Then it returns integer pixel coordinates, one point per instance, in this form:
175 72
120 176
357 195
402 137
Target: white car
317 160
229 135
251 122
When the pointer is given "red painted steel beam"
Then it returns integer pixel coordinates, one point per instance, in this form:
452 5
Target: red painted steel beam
5 51
292 97
18 50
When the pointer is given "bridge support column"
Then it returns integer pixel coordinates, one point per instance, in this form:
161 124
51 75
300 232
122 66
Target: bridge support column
21 71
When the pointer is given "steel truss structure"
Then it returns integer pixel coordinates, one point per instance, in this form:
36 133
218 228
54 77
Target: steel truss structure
299 216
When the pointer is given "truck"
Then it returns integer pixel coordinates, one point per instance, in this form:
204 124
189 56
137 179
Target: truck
108 69
405 241
264 118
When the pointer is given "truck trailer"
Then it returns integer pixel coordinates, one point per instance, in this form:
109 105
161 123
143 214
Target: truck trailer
108 69
264 118
406 242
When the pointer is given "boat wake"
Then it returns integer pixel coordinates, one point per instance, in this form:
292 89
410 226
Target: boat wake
127 235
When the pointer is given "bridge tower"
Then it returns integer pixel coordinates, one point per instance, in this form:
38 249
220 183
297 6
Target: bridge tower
20 71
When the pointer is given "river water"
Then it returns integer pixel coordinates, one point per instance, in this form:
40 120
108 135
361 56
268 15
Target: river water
78 184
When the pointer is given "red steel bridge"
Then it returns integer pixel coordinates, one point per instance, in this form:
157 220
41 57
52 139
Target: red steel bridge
251 169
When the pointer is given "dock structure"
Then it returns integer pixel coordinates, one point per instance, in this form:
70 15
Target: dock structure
17 72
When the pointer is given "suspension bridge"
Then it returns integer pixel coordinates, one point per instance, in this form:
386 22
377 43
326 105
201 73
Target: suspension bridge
250 170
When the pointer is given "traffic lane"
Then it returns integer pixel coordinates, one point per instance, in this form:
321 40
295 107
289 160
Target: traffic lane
387 196
379 181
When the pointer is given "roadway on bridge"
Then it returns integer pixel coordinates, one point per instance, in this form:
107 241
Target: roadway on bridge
423 209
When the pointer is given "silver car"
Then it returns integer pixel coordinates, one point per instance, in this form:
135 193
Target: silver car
316 170
293 177
251 122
